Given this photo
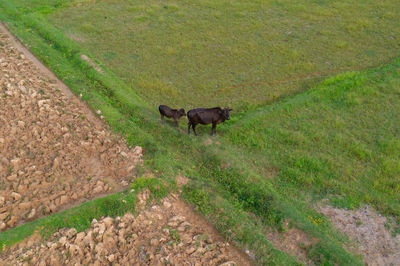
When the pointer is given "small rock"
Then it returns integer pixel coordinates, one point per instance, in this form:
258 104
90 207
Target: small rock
177 218
16 163
3 216
181 229
173 224
167 204
98 112
138 150
111 258
190 250
12 177
200 250
2 225
108 221
97 189
41 102
21 124
63 199
12 221
73 250
71 233
250 254
79 238
25 205
62 240
121 225
52 207
154 242
16 196
32 214
228 263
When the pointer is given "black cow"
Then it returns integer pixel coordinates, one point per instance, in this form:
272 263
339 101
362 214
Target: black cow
207 116
171 113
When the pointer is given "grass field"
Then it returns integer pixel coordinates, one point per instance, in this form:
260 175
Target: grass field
190 53
338 139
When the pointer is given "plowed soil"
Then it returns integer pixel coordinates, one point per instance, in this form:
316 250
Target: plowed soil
54 151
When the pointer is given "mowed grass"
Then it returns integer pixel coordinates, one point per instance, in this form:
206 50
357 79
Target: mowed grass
187 53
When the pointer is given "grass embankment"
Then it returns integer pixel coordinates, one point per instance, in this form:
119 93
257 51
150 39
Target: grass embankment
339 140
229 182
173 51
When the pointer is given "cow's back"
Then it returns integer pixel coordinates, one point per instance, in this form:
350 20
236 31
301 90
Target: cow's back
167 111
203 115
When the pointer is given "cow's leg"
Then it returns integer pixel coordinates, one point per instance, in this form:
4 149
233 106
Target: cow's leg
189 125
176 122
213 129
194 129
162 118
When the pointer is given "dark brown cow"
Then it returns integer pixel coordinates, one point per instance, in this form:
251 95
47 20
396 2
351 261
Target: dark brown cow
207 116
171 113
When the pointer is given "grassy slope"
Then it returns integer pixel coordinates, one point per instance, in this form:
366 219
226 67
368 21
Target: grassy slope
339 140
242 188
171 51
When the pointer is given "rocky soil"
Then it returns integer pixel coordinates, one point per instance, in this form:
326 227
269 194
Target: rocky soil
167 233
370 232
53 150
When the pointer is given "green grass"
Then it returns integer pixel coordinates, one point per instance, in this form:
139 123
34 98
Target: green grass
171 51
78 217
337 140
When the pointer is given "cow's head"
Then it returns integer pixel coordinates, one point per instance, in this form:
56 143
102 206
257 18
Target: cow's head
181 112
225 113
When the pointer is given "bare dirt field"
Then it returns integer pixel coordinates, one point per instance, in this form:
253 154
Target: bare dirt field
54 151
162 234
370 232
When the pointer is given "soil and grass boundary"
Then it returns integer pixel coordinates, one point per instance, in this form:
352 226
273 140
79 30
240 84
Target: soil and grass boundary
225 196
80 217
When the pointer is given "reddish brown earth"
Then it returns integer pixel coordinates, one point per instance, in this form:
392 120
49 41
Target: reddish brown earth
53 150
